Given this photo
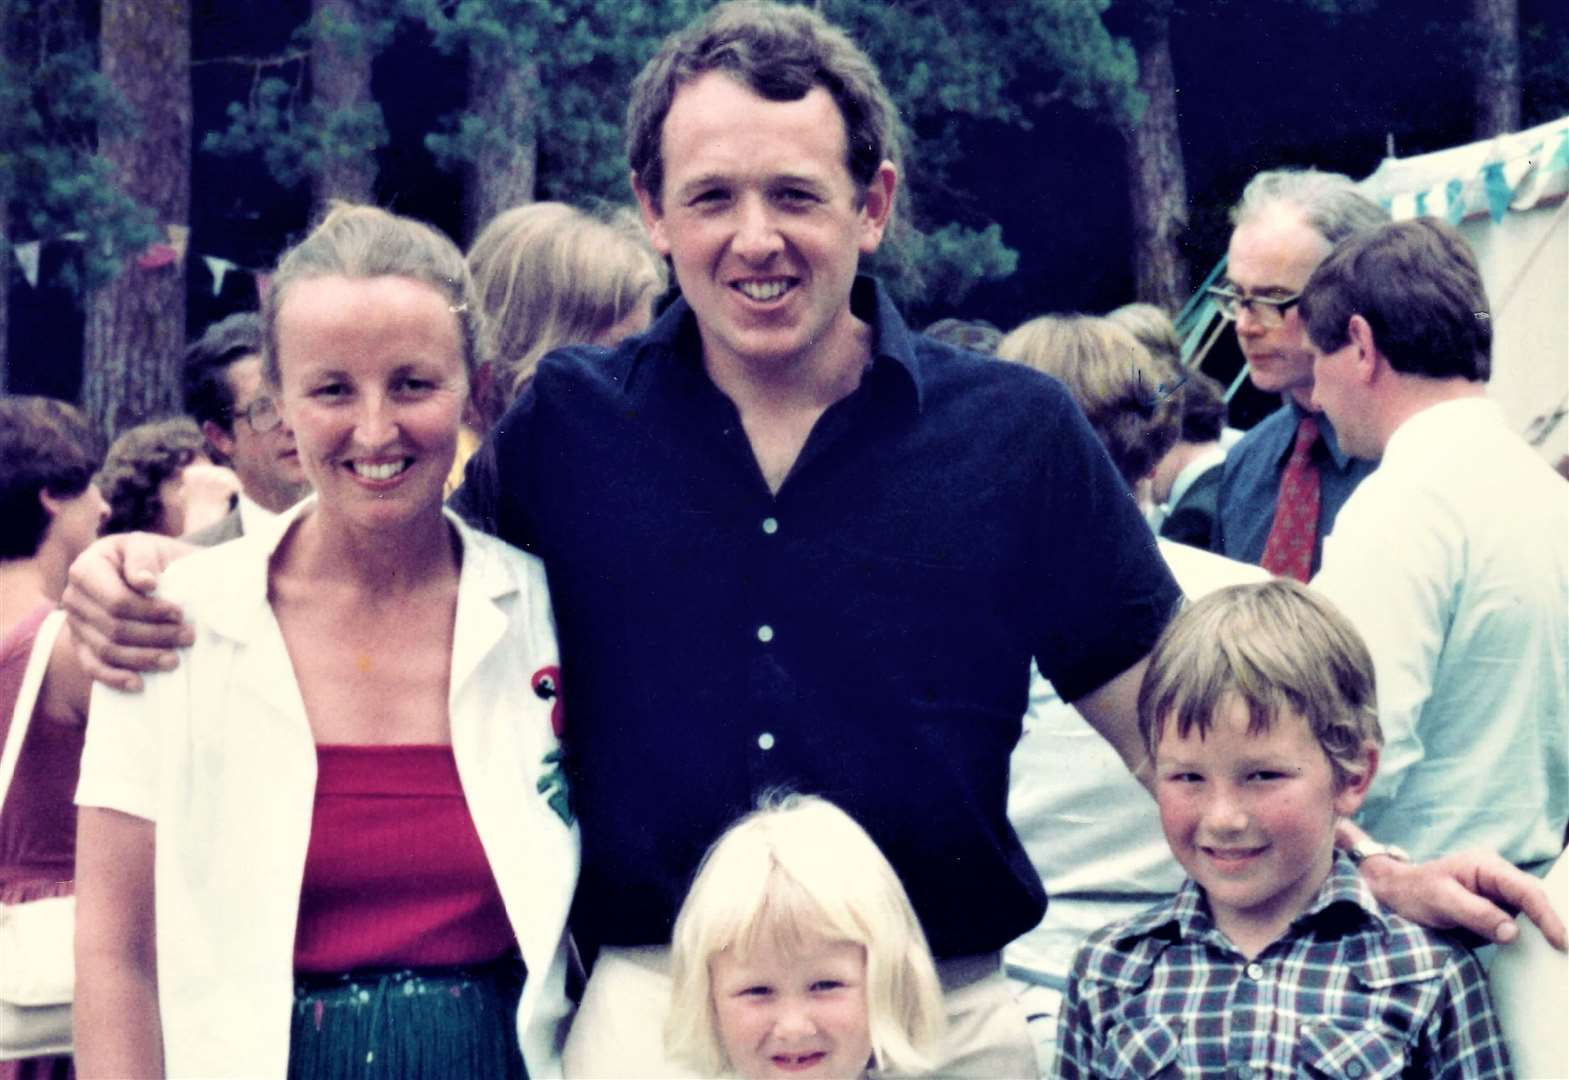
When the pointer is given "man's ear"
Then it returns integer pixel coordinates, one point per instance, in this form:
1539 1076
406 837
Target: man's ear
1367 358
1348 800
877 206
217 438
653 218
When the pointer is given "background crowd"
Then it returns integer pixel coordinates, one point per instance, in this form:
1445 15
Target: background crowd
389 787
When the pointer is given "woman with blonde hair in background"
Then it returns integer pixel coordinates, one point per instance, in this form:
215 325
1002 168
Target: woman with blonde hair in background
549 275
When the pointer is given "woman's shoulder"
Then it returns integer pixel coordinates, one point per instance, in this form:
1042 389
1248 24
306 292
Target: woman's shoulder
216 579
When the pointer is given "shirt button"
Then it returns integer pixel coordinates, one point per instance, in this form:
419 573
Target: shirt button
1255 971
1241 1072
770 525
1354 1069
765 741
765 634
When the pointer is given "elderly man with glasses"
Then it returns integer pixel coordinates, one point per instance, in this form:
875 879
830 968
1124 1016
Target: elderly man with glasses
225 393
1287 479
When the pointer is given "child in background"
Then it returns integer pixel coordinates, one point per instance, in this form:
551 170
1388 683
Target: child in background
1273 960
797 954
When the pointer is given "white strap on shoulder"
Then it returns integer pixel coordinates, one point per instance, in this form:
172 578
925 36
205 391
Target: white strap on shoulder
32 679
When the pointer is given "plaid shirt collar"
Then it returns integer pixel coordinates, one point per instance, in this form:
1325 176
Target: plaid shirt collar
1342 904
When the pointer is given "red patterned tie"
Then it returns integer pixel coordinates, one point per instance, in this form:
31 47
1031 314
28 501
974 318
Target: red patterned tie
1289 550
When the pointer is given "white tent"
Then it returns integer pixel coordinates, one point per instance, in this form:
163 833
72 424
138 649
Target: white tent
1510 197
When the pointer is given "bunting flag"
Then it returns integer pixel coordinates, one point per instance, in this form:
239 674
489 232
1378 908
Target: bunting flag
217 269
179 239
1497 190
1510 172
1454 194
173 249
156 256
27 258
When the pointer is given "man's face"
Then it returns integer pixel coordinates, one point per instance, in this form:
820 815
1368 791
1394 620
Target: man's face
763 223
266 462
1273 255
1340 395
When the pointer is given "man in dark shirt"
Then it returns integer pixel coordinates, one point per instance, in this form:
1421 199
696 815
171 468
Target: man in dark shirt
791 543
1285 225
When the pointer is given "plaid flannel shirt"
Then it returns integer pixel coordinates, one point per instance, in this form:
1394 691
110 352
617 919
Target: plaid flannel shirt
1349 991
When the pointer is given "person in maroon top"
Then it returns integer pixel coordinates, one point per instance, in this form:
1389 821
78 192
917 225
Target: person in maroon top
49 511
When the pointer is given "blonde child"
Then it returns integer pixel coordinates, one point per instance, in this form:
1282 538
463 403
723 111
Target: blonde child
1273 959
797 954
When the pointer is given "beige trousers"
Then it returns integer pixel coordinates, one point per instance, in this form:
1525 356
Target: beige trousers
618 1033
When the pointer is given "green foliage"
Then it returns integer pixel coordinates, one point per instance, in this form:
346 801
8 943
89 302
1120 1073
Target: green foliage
52 101
294 136
952 260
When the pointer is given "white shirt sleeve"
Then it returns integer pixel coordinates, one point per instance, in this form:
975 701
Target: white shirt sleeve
120 758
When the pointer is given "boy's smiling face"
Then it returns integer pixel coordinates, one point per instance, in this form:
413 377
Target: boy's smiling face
1251 818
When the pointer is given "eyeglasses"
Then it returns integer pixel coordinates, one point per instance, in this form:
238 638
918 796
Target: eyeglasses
261 414
1268 311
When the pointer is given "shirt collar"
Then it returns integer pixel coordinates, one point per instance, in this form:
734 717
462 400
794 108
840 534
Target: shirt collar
241 607
675 334
1326 433
1438 424
1343 894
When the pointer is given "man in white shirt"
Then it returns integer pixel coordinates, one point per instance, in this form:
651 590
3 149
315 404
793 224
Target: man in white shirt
225 393
1452 559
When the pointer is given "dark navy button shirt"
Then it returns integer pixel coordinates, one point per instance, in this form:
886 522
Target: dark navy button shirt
864 634
1250 483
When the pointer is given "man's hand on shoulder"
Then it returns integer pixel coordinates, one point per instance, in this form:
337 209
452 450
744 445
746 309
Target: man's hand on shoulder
119 626
1471 890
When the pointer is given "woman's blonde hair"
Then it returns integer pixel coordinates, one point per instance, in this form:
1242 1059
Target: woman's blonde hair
355 241
549 275
797 870
1124 391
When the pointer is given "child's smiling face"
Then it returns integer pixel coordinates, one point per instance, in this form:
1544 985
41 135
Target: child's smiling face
1251 818
797 1013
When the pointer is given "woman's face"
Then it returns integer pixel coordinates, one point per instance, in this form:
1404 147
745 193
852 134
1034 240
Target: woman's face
373 384
172 497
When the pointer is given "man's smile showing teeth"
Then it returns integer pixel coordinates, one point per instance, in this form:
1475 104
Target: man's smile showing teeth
383 471
763 290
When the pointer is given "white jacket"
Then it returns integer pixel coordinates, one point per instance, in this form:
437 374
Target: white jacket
219 755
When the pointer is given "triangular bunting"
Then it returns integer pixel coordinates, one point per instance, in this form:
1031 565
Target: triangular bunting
217 268
179 238
1497 190
156 256
1454 194
27 258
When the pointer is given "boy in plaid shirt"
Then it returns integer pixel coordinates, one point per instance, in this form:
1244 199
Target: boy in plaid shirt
1273 960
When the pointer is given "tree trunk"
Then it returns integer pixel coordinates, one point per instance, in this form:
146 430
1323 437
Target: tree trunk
1157 180
135 329
341 60
6 259
504 92
1498 66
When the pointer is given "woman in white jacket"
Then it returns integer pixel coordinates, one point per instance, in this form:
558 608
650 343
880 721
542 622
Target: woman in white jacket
336 840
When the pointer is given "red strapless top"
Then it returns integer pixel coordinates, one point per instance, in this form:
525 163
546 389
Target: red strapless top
395 875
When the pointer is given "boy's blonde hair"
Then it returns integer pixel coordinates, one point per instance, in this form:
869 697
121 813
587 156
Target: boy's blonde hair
1272 645
796 870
